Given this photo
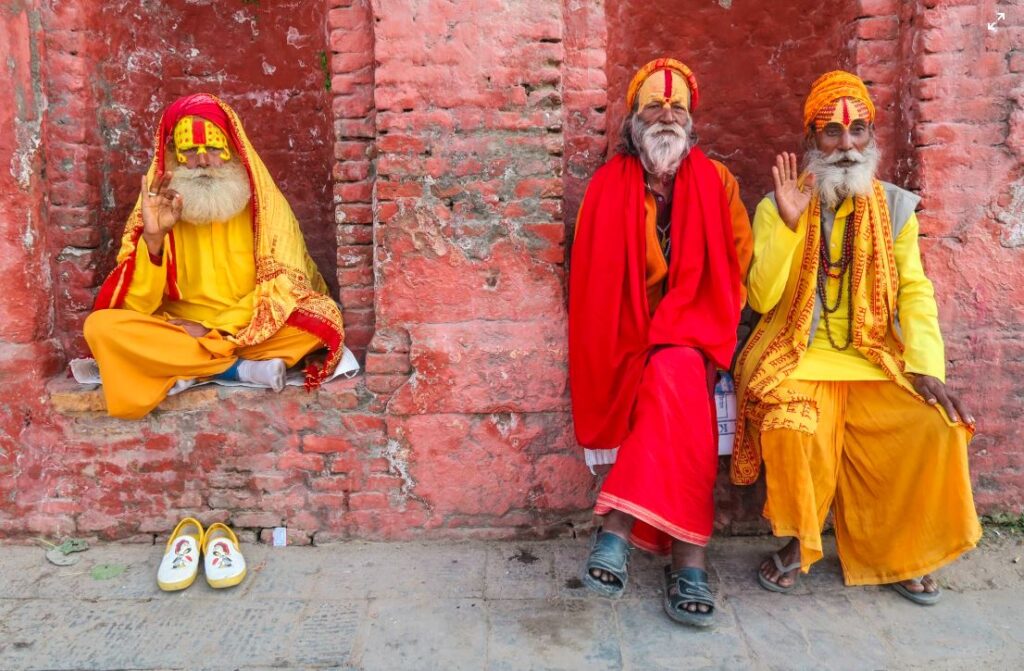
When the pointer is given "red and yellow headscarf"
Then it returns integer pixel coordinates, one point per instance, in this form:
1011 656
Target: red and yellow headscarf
838 97
675 83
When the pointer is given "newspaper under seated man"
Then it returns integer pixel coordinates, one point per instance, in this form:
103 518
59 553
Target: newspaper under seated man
213 277
842 383
662 244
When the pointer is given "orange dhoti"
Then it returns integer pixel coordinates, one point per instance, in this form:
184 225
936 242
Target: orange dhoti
891 468
140 357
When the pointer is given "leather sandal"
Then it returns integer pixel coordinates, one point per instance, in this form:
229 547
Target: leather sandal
683 587
608 553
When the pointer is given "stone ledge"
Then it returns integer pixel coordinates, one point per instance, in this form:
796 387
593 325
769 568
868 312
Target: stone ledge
68 397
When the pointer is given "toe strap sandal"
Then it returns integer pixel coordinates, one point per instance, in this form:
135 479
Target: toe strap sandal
920 598
782 569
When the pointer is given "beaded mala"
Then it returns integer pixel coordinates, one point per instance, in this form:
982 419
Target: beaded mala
838 269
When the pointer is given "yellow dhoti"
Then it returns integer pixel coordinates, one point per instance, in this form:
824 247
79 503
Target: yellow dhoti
892 469
140 357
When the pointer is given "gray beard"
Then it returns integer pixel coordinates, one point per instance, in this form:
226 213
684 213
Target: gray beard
210 194
834 183
662 146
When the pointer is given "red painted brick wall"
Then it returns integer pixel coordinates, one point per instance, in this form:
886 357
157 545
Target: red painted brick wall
455 142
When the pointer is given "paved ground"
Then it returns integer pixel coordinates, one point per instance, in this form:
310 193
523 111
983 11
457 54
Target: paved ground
492 606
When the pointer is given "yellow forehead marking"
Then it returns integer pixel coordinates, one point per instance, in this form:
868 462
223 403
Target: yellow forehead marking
843 111
192 132
665 87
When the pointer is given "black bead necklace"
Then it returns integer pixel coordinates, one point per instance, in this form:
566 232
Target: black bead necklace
839 269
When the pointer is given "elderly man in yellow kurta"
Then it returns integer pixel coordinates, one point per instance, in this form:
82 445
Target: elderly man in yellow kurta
213 277
842 383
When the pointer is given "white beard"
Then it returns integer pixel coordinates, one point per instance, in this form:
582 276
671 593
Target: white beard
834 183
210 194
662 146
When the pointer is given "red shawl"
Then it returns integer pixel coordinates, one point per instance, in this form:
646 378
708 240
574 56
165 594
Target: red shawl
611 331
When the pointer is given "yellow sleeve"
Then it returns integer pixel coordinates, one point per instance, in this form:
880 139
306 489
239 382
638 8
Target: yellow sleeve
916 309
235 318
774 248
146 291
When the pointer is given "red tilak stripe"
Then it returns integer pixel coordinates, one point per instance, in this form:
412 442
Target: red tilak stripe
846 113
668 84
198 131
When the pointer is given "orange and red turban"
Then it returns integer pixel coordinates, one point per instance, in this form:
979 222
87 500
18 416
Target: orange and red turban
838 96
675 84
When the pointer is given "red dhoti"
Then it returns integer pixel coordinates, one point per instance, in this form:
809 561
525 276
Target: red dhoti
664 474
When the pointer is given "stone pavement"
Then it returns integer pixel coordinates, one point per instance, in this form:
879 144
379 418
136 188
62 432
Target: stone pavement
493 605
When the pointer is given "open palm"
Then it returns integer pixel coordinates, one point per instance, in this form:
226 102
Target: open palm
792 198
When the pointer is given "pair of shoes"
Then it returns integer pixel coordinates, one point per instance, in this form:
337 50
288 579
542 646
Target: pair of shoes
224 565
685 586
608 553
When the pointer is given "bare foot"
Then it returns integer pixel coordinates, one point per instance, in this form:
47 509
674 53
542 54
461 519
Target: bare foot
790 554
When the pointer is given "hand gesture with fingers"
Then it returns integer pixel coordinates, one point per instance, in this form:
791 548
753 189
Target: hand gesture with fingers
791 199
161 210
935 392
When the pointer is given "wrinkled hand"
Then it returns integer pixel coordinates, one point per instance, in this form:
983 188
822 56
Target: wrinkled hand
791 199
161 210
935 392
194 329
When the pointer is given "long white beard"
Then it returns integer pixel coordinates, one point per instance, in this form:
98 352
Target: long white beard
210 194
835 183
662 146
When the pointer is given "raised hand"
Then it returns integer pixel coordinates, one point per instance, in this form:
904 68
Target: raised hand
791 199
161 210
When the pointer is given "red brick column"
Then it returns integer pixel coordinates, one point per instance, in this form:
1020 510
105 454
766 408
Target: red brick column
471 102
350 26
28 352
585 99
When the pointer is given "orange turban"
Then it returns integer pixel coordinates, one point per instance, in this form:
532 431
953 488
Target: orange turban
670 66
832 86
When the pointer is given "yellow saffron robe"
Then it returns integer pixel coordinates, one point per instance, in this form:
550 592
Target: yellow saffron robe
141 354
841 432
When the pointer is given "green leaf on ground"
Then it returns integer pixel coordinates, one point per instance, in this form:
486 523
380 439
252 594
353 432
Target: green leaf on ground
107 571
73 545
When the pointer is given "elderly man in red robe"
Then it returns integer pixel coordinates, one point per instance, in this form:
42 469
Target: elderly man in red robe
656 287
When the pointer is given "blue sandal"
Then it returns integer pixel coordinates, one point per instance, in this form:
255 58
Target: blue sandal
608 553
685 586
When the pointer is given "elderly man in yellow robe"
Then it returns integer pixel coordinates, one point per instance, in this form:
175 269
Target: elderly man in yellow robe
842 383
213 278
